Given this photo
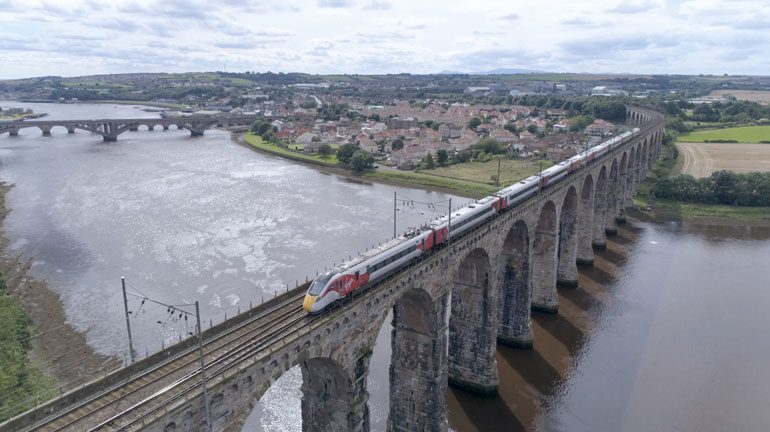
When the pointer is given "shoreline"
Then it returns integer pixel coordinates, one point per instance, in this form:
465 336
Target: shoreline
663 212
58 349
239 138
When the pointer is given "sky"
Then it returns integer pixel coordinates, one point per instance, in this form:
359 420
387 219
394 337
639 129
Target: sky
85 37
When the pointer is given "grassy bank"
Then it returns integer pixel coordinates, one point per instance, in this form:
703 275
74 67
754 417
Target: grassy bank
681 211
21 383
746 134
422 179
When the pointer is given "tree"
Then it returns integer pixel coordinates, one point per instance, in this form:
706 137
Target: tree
474 123
510 127
268 136
397 144
441 157
704 112
345 152
675 124
325 150
260 127
361 161
489 146
429 162
532 129
579 123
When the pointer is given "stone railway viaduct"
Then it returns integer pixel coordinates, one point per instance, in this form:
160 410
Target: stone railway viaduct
449 310
109 129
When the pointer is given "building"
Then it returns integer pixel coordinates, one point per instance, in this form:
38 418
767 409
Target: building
600 128
401 123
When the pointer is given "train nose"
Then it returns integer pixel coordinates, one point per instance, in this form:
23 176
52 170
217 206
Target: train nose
309 302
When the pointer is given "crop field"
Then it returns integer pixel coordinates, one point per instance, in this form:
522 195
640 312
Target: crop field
760 96
702 159
747 134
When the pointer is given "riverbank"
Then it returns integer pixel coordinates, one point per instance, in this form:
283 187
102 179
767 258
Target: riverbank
384 176
59 357
701 214
109 101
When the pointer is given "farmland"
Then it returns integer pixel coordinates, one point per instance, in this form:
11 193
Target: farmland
747 134
759 96
701 159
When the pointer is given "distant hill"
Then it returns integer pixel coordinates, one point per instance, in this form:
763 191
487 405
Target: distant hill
499 71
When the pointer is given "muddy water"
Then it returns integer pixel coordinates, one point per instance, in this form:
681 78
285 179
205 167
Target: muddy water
665 332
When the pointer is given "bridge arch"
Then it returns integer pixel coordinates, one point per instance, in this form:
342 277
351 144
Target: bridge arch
567 254
584 255
599 239
544 297
473 325
514 325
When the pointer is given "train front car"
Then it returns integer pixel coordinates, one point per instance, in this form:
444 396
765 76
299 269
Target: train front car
318 296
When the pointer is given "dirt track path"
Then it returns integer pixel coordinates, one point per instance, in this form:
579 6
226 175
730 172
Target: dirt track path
702 159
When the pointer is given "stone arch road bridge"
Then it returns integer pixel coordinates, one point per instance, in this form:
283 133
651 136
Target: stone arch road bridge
449 311
109 129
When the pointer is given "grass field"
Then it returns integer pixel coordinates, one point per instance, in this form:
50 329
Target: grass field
747 134
256 142
511 171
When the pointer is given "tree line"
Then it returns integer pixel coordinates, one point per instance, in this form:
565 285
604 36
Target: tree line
722 187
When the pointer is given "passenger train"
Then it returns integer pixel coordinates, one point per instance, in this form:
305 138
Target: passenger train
361 272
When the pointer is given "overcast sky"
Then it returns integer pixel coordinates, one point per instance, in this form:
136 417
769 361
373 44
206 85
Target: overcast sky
72 37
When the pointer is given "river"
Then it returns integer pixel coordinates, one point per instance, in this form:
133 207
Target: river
665 332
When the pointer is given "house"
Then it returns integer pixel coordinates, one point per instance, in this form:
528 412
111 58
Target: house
305 138
367 144
277 125
600 128
502 135
562 126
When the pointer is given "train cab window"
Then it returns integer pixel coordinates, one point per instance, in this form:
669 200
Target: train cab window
357 274
319 283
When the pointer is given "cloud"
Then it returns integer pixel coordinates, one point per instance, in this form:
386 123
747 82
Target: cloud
321 49
377 5
334 4
510 17
632 7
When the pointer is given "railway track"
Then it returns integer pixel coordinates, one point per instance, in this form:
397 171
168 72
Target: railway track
183 367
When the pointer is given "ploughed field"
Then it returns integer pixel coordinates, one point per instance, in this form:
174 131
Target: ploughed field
702 159
761 96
